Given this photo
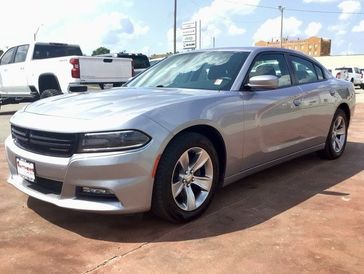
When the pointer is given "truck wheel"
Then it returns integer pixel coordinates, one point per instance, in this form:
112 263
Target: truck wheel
50 92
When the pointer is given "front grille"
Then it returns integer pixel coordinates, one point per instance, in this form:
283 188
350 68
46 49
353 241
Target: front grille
45 143
46 186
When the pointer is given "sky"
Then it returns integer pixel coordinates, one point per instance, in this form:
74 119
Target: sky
147 26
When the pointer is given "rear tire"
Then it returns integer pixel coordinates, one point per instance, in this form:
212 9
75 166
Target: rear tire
337 137
49 93
186 178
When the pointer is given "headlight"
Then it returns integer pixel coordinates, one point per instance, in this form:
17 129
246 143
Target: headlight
112 141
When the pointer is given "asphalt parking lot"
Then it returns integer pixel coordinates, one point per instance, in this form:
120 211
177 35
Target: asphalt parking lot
304 216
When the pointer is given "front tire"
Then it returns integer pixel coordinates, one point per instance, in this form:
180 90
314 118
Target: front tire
186 178
337 137
49 93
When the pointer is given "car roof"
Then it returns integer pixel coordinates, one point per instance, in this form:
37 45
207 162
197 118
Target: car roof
257 50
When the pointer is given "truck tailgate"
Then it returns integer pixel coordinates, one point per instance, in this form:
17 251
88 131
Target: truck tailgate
104 69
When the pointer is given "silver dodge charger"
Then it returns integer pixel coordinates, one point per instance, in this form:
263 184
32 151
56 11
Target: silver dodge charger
174 134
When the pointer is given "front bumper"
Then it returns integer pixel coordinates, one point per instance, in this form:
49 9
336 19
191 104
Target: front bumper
127 174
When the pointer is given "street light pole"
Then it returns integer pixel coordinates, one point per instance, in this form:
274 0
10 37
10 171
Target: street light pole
175 27
281 10
36 32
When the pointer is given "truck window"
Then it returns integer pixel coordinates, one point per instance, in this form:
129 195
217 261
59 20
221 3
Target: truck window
8 57
52 51
21 53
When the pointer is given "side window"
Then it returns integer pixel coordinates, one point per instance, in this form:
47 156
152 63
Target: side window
303 70
272 64
21 53
320 75
8 57
357 70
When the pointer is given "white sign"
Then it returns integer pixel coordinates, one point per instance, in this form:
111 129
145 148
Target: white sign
189 45
189 38
187 25
189 32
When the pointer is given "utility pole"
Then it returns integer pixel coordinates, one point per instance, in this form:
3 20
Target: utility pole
199 33
281 10
36 32
175 27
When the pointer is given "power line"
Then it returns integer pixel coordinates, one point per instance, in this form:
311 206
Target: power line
299 10
326 11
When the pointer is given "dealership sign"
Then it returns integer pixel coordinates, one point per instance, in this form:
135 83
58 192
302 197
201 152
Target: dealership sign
189 32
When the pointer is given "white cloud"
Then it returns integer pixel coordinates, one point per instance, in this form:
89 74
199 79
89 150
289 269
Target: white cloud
86 23
235 30
319 1
359 28
218 17
348 7
313 29
179 45
338 30
271 29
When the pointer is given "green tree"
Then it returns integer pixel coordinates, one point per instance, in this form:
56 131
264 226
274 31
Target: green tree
100 50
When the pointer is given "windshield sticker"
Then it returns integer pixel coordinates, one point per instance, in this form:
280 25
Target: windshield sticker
218 82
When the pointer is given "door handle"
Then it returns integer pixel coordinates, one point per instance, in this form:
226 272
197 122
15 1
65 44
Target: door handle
332 92
297 102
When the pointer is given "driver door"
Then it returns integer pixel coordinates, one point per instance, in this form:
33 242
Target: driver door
273 118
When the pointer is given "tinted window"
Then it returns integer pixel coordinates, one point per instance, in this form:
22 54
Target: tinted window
8 56
212 70
320 75
357 70
52 51
303 70
140 61
272 64
21 53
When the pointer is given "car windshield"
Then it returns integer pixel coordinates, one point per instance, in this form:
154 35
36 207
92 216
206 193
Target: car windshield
212 70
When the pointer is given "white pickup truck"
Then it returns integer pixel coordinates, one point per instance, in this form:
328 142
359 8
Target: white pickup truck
351 74
39 70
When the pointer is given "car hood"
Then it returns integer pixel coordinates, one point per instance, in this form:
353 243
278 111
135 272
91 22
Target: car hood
127 102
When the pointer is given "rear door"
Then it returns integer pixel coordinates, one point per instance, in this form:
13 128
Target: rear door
317 104
272 118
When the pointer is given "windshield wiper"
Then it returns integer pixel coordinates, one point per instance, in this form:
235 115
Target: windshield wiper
160 86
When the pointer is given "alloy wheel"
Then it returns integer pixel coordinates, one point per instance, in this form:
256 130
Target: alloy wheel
192 179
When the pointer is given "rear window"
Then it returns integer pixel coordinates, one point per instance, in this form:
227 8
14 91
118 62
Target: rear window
350 70
140 61
52 51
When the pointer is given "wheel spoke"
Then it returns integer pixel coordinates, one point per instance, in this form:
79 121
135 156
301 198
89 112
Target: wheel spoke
177 188
338 144
201 160
203 182
191 199
184 161
338 122
340 131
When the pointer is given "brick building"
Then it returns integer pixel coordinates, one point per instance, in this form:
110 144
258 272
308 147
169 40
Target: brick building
314 46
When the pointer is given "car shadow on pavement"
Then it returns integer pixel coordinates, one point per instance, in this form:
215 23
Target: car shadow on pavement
236 207
4 113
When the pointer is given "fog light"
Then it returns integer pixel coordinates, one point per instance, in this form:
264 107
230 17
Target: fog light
96 191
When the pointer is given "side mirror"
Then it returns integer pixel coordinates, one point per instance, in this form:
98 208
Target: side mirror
263 82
